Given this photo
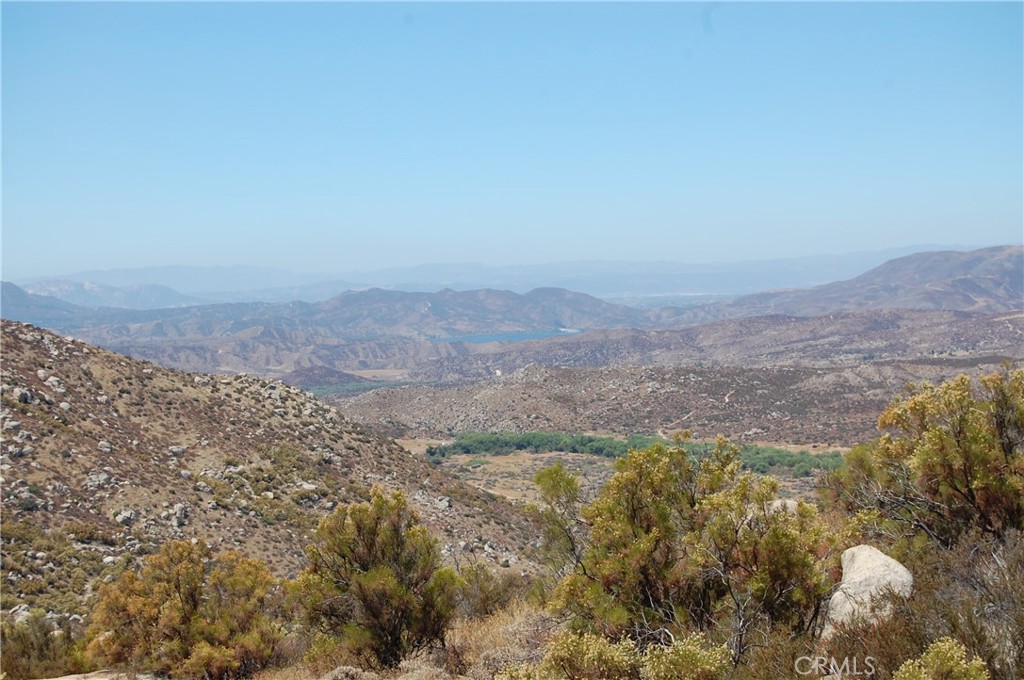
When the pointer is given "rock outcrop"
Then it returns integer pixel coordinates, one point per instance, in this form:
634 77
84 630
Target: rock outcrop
869 575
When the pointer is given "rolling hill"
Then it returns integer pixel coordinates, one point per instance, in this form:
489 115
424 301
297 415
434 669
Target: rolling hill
118 455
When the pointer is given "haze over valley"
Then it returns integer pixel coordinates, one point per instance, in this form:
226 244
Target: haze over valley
924 316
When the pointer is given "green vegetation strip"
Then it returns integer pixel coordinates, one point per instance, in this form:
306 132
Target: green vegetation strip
762 459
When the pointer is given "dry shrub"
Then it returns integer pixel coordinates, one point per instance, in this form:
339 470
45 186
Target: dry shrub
38 647
307 672
326 652
420 669
774 655
297 672
483 592
480 648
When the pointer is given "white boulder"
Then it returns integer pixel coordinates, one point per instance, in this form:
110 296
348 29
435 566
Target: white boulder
868 575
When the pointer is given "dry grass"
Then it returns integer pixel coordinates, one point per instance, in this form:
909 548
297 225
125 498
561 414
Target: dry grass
479 649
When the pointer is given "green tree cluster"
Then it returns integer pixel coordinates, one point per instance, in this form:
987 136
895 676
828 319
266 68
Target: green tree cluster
501 443
762 459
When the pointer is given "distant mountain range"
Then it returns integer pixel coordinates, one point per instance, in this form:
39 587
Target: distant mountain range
91 294
379 328
644 283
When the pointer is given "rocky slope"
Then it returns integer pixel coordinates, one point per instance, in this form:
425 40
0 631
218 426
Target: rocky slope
793 404
121 454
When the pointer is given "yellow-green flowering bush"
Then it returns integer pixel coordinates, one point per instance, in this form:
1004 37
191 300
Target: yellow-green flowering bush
945 659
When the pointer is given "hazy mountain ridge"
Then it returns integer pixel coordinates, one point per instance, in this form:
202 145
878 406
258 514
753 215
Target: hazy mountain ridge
366 313
89 294
607 279
386 329
989 280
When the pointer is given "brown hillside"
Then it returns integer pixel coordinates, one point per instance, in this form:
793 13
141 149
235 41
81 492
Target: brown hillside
122 454
781 404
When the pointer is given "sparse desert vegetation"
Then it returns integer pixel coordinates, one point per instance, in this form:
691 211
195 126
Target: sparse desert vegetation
685 562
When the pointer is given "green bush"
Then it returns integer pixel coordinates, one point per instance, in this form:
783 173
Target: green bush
952 460
760 459
375 580
676 544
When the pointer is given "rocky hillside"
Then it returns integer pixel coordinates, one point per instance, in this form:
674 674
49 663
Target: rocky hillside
120 455
792 405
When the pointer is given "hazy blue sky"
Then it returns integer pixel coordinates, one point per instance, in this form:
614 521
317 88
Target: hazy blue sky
343 136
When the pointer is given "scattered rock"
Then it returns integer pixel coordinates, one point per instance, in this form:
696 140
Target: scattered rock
180 514
97 479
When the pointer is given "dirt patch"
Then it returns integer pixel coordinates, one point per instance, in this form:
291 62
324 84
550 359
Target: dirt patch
512 475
